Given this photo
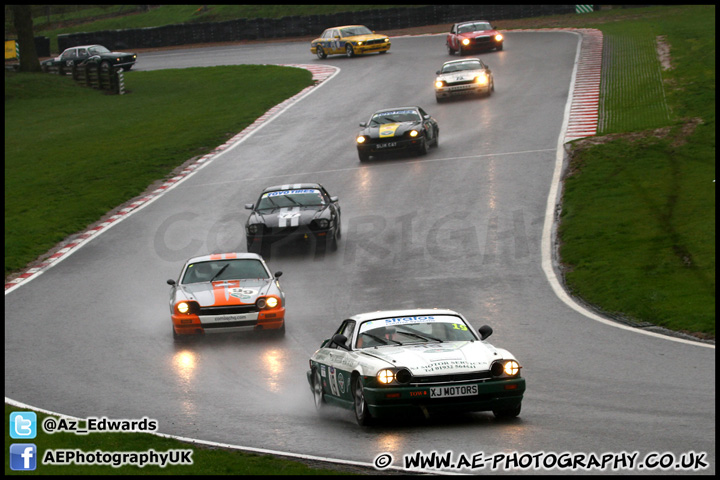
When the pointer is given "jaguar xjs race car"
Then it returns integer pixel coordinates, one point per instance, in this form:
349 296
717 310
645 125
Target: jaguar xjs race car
473 36
392 129
386 363
349 40
227 292
302 210
462 77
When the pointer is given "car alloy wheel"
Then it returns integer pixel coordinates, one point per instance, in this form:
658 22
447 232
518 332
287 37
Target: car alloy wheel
349 50
318 395
362 415
321 53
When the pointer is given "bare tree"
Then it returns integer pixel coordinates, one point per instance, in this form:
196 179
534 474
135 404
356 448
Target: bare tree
22 19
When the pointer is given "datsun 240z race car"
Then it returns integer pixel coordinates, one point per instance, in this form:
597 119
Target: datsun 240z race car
473 36
89 54
349 40
404 128
227 292
462 77
386 363
301 210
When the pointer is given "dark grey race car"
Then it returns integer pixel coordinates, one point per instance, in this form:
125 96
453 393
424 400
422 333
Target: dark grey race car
302 210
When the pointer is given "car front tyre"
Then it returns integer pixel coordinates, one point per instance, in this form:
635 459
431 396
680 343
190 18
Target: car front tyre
362 414
321 53
424 147
451 51
507 412
318 394
349 52
364 157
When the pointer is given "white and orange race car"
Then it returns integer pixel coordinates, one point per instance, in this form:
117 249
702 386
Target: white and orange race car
227 292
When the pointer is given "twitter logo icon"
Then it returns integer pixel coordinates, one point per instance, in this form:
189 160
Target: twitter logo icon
23 425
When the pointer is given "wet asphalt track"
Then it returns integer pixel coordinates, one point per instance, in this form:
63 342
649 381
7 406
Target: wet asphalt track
460 228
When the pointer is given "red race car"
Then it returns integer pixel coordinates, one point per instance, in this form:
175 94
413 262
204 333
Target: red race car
476 35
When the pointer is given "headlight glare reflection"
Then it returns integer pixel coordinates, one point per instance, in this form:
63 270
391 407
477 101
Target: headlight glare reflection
385 376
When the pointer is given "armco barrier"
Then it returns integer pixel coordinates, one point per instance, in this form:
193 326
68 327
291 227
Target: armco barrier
300 26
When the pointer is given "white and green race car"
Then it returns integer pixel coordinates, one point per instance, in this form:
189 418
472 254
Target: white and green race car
386 363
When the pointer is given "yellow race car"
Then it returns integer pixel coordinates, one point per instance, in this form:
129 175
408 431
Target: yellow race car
349 40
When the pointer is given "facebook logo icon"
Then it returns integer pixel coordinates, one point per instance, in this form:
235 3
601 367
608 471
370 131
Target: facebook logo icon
23 456
23 425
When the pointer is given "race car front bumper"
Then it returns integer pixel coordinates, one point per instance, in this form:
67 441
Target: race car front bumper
486 396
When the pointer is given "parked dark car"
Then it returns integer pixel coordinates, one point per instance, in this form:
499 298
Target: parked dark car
85 54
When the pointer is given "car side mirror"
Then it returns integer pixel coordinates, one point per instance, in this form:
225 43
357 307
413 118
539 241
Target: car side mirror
437 73
485 331
339 339
278 275
171 282
248 206
334 199
363 124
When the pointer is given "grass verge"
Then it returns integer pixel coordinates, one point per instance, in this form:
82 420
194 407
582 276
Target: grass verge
638 219
72 153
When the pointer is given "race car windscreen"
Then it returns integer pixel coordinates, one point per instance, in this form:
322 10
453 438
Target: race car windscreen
415 329
456 67
395 116
306 197
353 31
474 27
240 269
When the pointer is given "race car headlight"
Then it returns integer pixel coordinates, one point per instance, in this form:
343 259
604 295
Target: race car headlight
255 228
271 302
481 79
439 84
187 308
466 41
360 43
361 139
322 222
498 37
414 133
385 376
511 368
267 302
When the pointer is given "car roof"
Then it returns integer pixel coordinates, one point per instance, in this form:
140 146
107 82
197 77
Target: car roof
345 26
292 186
225 256
410 312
